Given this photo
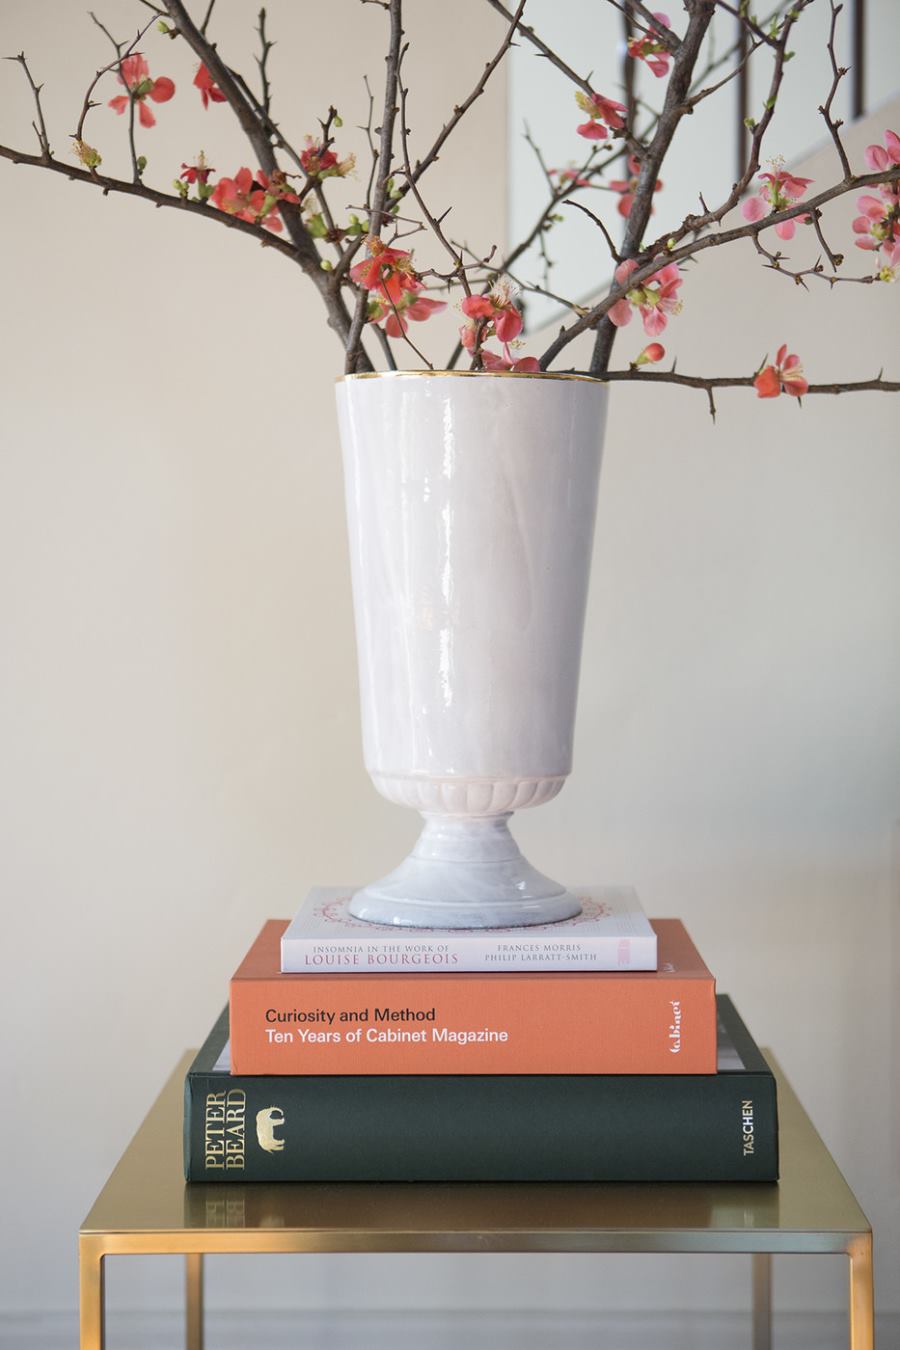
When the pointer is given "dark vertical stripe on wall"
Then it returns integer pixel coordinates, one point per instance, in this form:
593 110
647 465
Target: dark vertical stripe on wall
742 139
858 58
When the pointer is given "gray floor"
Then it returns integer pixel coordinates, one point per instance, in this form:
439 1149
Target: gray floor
448 1331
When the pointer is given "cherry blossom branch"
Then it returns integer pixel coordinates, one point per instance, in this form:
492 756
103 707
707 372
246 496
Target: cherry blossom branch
699 245
123 50
382 171
694 223
700 14
255 129
746 381
651 24
139 189
113 65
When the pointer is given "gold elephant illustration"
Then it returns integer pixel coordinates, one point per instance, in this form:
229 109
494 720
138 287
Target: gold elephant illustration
267 1122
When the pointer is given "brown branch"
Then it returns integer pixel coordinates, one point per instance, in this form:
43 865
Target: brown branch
382 172
775 263
113 65
613 251
838 73
651 25
40 127
122 51
262 62
745 381
747 231
140 189
531 36
693 224
674 108
461 109
459 272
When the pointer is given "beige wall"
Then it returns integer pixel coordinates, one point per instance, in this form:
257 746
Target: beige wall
178 721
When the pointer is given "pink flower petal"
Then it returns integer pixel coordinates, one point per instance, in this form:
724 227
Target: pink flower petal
508 325
162 90
120 103
145 113
876 158
785 229
593 131
767 383
620 313
654 320
753 208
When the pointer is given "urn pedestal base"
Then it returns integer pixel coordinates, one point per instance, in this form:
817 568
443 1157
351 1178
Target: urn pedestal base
465 872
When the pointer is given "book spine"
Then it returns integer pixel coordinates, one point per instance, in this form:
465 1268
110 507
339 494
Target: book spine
474 1024
643 1128
308 955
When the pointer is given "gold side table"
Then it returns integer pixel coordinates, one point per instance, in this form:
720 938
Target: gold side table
145 1208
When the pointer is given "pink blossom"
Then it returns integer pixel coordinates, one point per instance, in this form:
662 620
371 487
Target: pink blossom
386 270
878 223
779 191
196 173
134 73
655 298
570 177
653 352
253 199
209 90
317 162
627 187
525 365
785 376
407 305
648 47
604 113
878 159
495 315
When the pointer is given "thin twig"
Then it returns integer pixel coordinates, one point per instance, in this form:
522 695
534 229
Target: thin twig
382 169
531 36
459 111
139 189
613 251
838 73
750 228
40 127
262 62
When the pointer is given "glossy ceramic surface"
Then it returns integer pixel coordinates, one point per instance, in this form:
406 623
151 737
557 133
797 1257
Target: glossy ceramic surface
470 506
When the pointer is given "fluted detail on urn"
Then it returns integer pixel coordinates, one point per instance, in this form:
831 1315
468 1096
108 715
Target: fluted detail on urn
467 796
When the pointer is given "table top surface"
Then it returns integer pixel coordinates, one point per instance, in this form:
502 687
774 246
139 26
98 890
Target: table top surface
147 1205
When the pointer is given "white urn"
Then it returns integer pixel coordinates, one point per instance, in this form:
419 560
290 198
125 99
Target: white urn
471 500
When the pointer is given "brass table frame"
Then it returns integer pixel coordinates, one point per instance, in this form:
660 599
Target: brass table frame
146 1209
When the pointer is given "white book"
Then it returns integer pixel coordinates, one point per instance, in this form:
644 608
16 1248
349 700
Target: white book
611 933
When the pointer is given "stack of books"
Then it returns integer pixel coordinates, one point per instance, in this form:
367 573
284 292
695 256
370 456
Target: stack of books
595 1049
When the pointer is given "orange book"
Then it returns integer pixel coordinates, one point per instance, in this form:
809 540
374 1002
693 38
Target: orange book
541 1022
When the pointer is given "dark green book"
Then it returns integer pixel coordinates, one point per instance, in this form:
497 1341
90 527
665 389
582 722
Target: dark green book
623 1127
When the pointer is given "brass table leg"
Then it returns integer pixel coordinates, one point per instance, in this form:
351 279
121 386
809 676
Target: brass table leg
762 1301
193 1288
92 1294
862 1294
